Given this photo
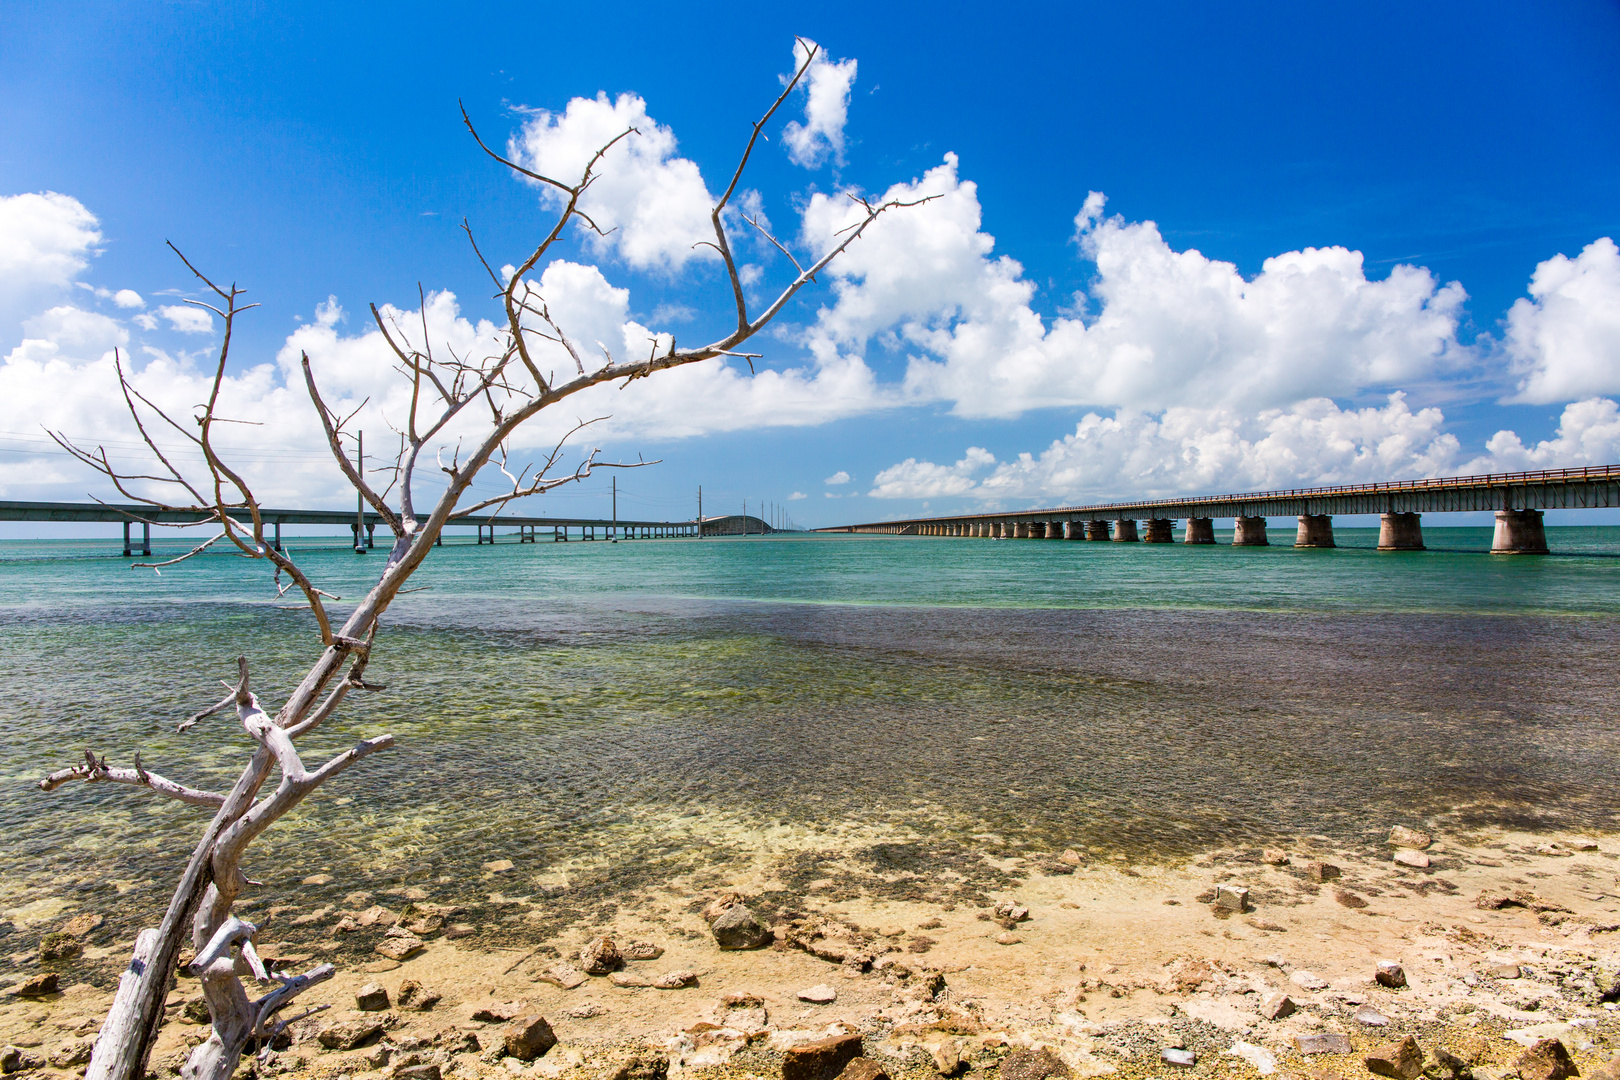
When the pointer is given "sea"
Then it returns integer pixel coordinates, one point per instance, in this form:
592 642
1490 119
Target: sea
918 713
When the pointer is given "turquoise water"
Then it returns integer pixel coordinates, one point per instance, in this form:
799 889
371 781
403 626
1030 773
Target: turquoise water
614 717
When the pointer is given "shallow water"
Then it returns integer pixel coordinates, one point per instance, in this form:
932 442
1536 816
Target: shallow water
613 716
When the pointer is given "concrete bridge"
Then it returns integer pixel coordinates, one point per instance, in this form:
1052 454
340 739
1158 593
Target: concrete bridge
1518 500
529 529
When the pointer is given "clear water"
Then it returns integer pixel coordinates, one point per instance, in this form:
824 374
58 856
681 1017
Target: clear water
612 717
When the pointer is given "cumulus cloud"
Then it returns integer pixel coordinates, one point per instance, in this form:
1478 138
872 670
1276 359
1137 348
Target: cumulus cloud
1188 450
72 331
128 298
839 477
1588 434
46 240
187 319
826 108
652 204
796 496
1565 337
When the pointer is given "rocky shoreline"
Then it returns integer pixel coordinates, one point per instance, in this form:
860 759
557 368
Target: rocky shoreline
1483 955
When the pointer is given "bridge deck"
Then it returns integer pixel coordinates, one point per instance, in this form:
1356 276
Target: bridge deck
110 512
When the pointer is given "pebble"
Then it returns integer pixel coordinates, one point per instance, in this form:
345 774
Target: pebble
599 956
820 1059
1409 857
348 1034
821 994
400 944
1390 974
562 974
947 1057
739 928
1186 1059
629 979
1398 1060
1504 971
1264 1062
1401 836
1232 898
1323 1042
529 1038
1011 912
1371 1017
1319 871
1008 938
1274 857
499 866
371 998
1276 1006
1307 980
39 986
641 950
585 1012
675 980
1547 1060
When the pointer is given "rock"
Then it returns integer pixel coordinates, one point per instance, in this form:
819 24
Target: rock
1370 1016
60 946
947 1058
1231 898
1072 857
1188 973
921 944
674 980
1495 902
1409 857
348 1034
863 1069
400 945
72 1053
642 1065
739 928
376 915
584 1012
83 925
16 1059
1547 1060
562 974
1032 1064
1007 937
641 950
371 998
600 956
425 1071
1263 1060
1609 1070
1349 899
39 986
1552 849
931 924
1581 843
1276 1006
1400 1060
1317 870
1323 1042
413 995
1274 857
1185 1059
529 1038
1011 912
1504 971
499 866
820 994
720 905
1307 980
822 1059
1390 974
1401 836
497 1014
629 979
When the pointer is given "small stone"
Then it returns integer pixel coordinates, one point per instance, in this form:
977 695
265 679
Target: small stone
820 994
318 879
1409 857
720 905
1349 899
1547 1060
1317 870
371 998
497 1014
377 915
1033 1064
947 1058
585 1012
863 1069
739 928
499 866
1307 980
600 956
413 995
71 1053
1390 974
637 1066
1232 898
1276 1006
1011 912
1370 1016
562 974
641 950
822 1059
1007 938
1399 1060
1072 857
920 944
83 925
424 1071
629 979
1274 857
1504 971
1581 843
1401 836
40 985
348 1034
1185 1059
674 980
400 947
1552 849
59 946
1323 1042
930 924
529 1038
15 1059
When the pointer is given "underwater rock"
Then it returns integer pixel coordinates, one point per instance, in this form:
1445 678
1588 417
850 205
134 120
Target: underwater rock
39 986
1401 836
641 950
820 994
83 925
600 956
59 946
739 928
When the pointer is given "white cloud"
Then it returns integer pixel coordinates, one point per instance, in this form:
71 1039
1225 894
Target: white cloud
652 204
145 321
1588 434
797 495
71 330
128 298
1565 337
45 238
1187 450
188 319
839 477
826 109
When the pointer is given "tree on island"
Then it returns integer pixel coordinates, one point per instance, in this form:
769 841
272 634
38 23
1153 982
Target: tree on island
510 384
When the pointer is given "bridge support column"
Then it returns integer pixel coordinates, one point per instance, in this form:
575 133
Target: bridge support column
1519 532
1400 532
371 535
146 539
1316 531
1096 530
1074 530
359 545
1250 532
1054 530
1159 531
1020 530
278 536
1125 531
1199 531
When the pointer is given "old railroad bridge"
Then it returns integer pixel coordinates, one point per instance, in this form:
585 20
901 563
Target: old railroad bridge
1517 498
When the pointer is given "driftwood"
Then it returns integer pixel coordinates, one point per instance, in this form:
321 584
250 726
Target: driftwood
510 383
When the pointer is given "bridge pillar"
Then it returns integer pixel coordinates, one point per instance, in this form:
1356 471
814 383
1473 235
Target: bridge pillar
278 536
1199 531
1159 531
1020 530
146 539
1316 531
371 535
1054 530
1000 530
1400 532
1519 532
1074 530
1250 532
1125 531
1096 530
359 546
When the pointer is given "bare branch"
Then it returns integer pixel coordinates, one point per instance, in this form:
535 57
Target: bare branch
97 771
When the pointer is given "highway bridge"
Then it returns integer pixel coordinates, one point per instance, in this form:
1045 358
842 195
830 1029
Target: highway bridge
1518 499
528 529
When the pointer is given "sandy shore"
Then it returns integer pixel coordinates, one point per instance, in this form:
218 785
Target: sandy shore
1500 934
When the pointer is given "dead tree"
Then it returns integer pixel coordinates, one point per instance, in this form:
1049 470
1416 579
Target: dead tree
511 385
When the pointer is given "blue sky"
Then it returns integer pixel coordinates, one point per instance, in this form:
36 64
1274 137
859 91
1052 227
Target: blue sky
314 152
